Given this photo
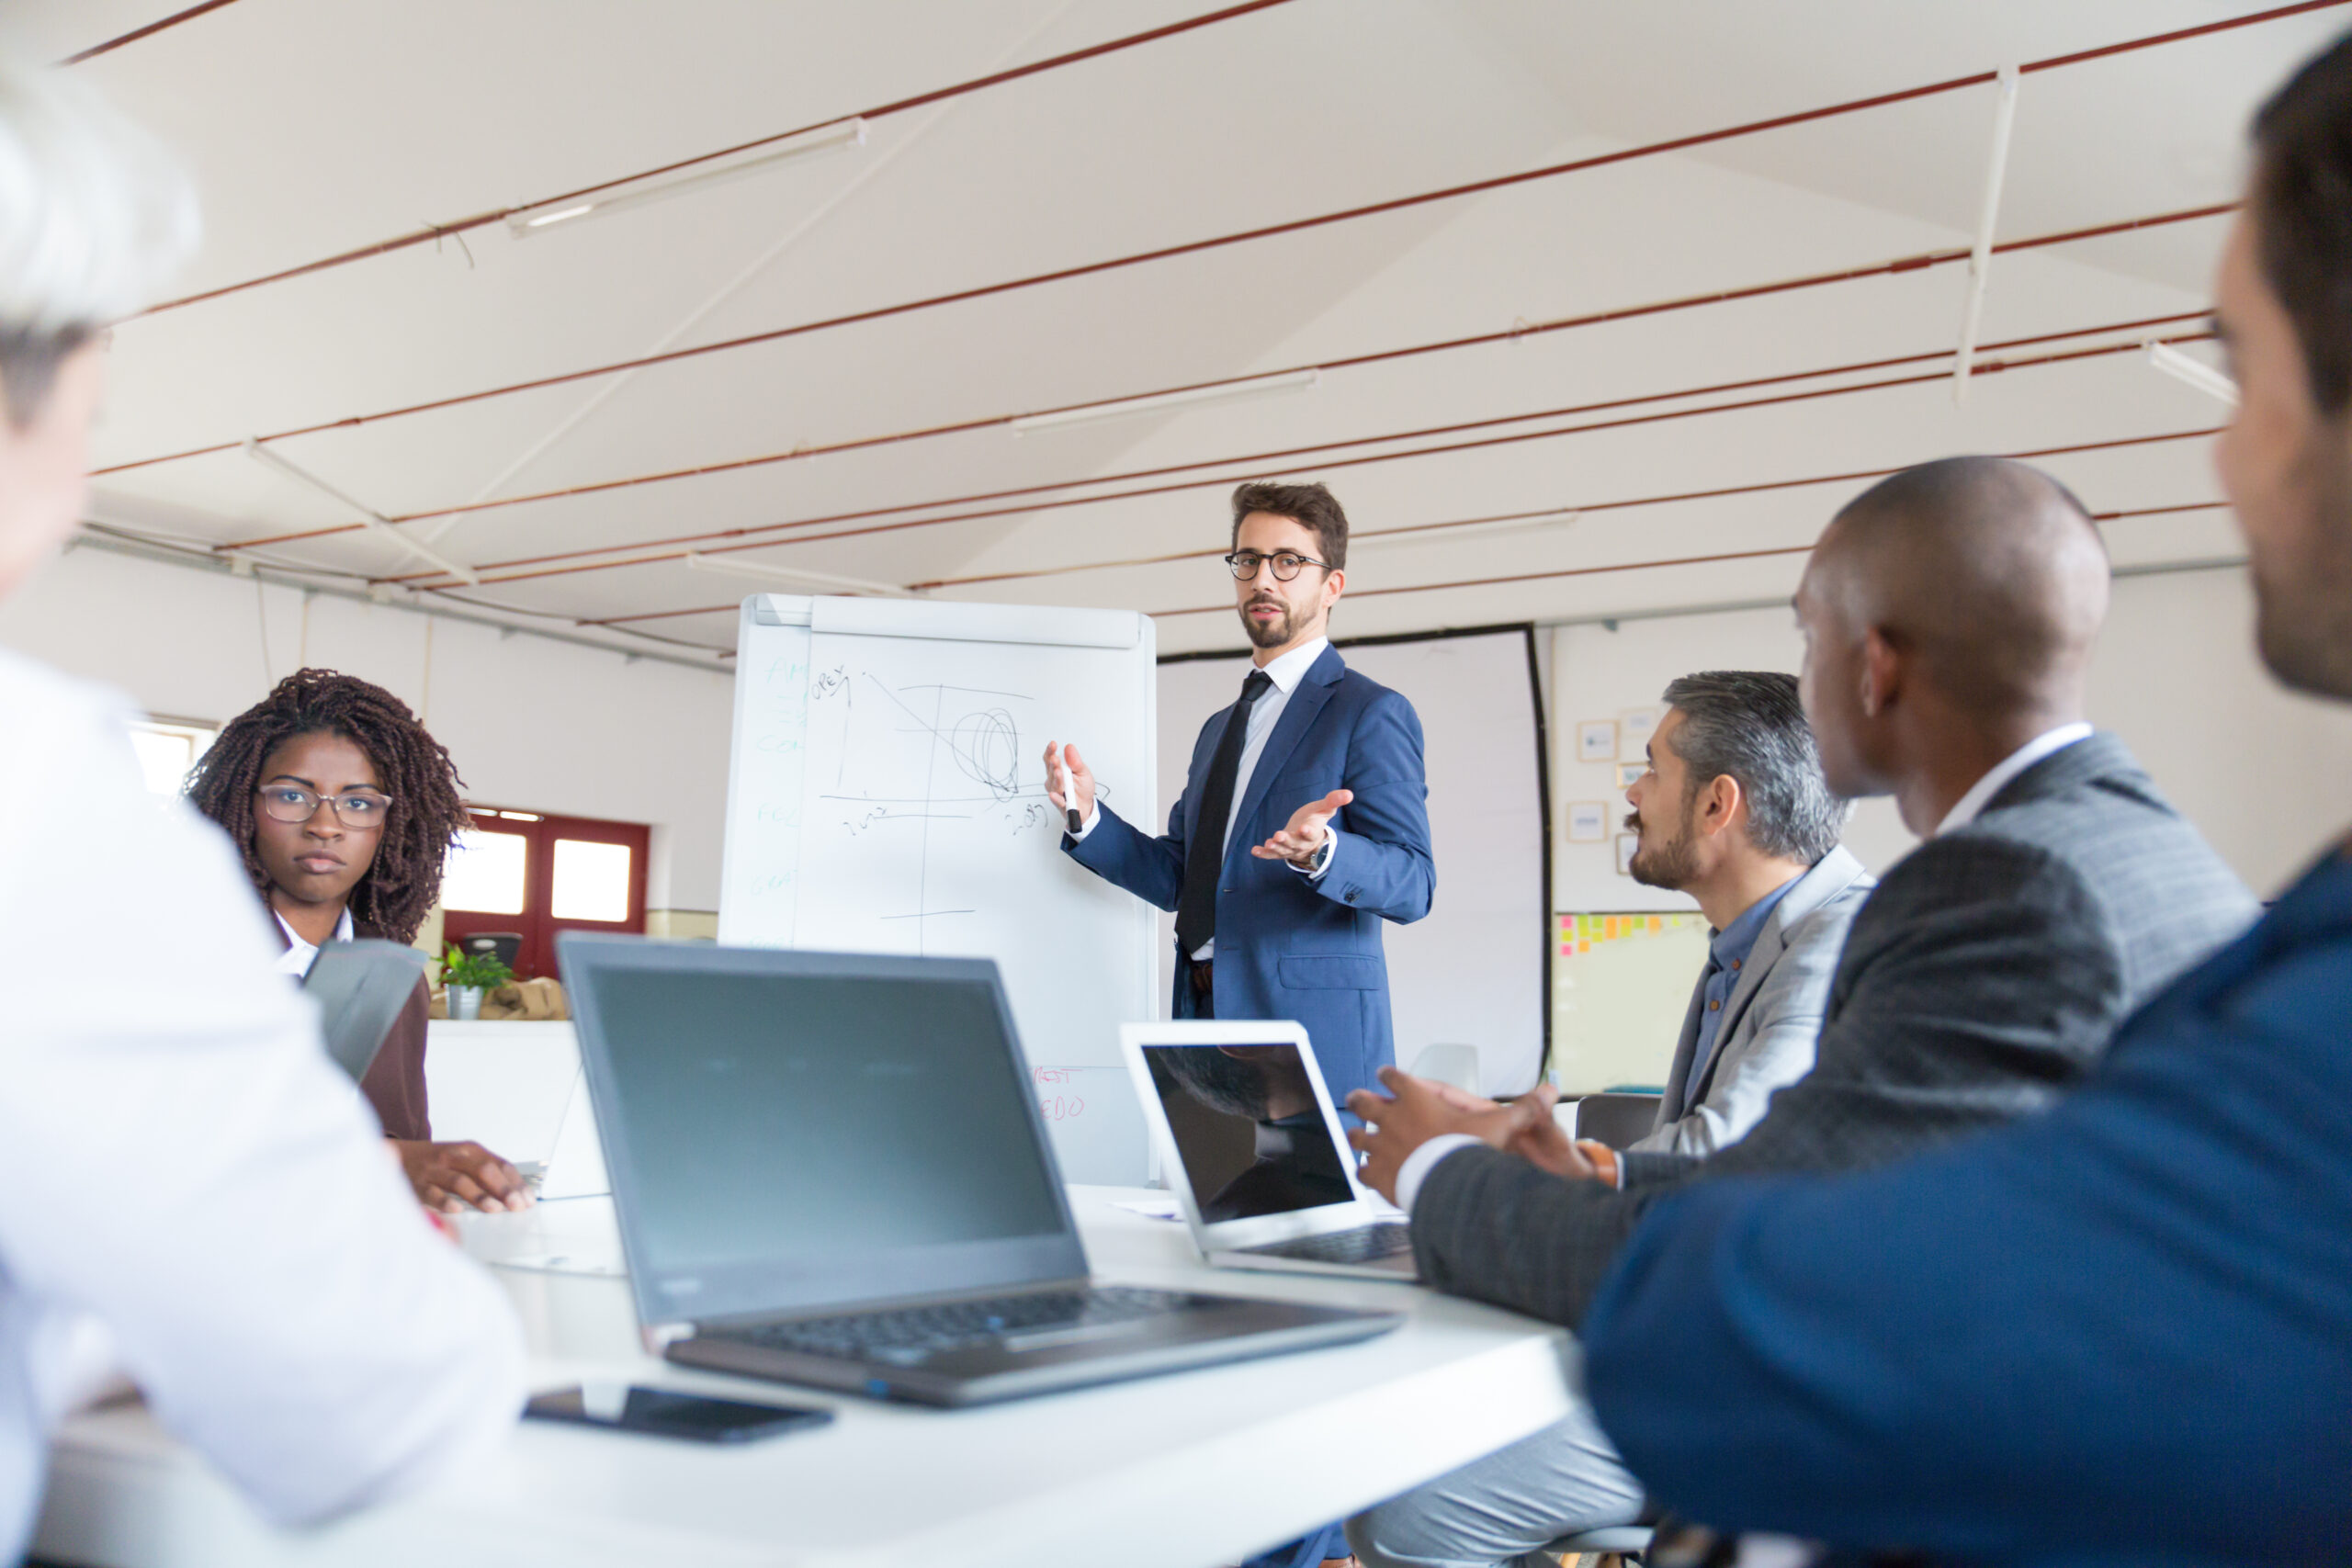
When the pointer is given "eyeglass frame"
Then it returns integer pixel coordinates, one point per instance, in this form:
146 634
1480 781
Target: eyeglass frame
335 801
1266 559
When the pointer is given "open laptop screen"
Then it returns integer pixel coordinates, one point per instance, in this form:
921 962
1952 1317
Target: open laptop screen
1249 1129
797 1136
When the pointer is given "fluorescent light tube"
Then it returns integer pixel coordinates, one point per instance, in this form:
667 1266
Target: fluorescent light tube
839 138
1216 392
794 578
2196 372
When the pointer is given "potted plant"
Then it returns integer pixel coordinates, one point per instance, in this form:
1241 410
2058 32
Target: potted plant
469 976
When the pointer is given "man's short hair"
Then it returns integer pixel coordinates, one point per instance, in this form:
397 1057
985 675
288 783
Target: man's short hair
2302 199
1750 724
1312 507
94 215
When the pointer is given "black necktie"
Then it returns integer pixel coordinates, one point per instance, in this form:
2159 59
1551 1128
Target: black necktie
1204 856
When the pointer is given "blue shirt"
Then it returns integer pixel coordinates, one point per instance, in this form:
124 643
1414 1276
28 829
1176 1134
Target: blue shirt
1726 960
2119 1331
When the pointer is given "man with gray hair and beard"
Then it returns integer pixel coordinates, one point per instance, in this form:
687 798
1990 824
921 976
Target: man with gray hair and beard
1734 811
1950 613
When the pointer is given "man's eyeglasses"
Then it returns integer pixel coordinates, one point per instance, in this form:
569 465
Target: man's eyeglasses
355 808
1286 564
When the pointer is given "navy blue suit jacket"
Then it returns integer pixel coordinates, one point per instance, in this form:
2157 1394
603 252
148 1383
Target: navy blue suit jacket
1288 947
2119 1331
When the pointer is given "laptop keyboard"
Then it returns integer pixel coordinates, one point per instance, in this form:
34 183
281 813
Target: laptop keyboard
1369 1245
1018 1323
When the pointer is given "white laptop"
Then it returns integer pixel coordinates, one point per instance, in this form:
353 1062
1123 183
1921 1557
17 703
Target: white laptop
1252 1148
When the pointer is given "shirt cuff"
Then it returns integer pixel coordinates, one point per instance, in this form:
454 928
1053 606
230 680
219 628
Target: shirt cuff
1322 857
1421 1161
1094 818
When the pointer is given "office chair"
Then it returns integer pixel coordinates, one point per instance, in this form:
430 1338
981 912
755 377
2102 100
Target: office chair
1616 1119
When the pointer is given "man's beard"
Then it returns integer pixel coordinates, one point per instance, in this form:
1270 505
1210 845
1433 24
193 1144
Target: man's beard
1669 865
1270 634
2304 603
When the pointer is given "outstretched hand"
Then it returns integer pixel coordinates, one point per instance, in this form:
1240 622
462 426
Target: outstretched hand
1082 781
1306 831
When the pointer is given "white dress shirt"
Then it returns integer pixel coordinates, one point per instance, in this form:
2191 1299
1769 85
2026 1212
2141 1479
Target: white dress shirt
297 958
1285 673
180 1161
1980 794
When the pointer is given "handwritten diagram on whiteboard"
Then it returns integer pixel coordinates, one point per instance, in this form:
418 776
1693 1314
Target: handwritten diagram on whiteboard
890 797
919 765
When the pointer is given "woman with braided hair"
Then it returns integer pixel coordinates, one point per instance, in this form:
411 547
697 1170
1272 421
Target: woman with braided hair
344 807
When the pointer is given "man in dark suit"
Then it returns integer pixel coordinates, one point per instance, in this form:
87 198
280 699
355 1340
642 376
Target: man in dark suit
2120 1332
1317 772
1949 614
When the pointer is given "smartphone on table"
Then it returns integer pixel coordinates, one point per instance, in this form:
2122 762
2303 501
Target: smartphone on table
668 1413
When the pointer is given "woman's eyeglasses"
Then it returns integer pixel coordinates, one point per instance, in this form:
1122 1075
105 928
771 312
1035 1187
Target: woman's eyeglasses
352 808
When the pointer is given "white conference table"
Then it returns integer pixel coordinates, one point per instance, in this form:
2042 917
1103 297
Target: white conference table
1182 1472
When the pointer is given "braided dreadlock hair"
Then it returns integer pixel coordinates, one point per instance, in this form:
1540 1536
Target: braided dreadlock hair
404 879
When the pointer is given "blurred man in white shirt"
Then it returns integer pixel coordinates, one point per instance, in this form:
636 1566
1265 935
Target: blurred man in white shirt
183 1173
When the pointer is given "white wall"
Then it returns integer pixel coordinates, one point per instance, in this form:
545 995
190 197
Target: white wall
534 724
539 725
2262 772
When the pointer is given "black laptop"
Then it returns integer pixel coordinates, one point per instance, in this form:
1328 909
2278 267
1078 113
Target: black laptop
830 1169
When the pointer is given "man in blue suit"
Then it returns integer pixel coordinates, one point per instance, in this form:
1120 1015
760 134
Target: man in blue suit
2120 1332
1316 771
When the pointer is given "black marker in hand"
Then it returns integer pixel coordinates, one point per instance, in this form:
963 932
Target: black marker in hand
1070 794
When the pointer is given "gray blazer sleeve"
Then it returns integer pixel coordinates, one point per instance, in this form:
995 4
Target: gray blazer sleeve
1773 1045
1980 978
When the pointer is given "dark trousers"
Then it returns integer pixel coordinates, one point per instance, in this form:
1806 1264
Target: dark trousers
1195 992
1196 998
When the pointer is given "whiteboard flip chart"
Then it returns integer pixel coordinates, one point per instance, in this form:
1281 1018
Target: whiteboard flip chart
887 795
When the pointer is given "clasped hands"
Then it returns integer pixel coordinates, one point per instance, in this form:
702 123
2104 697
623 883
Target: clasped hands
1417 1109
1298 842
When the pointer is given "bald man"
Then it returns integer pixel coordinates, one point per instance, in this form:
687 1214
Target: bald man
2121 1332
1949 614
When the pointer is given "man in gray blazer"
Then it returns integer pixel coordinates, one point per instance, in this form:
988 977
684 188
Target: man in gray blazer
1734 811
1949 614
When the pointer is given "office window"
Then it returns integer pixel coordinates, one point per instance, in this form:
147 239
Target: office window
535 876
592 880
168 748
486 873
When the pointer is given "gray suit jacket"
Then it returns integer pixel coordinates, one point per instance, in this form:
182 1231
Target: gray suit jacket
1770 1021
1979 982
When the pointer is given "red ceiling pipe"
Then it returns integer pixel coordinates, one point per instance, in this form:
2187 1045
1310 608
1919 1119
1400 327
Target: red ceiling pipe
1595 318
149 30
484 220
1255 462
1411 588
1395 203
